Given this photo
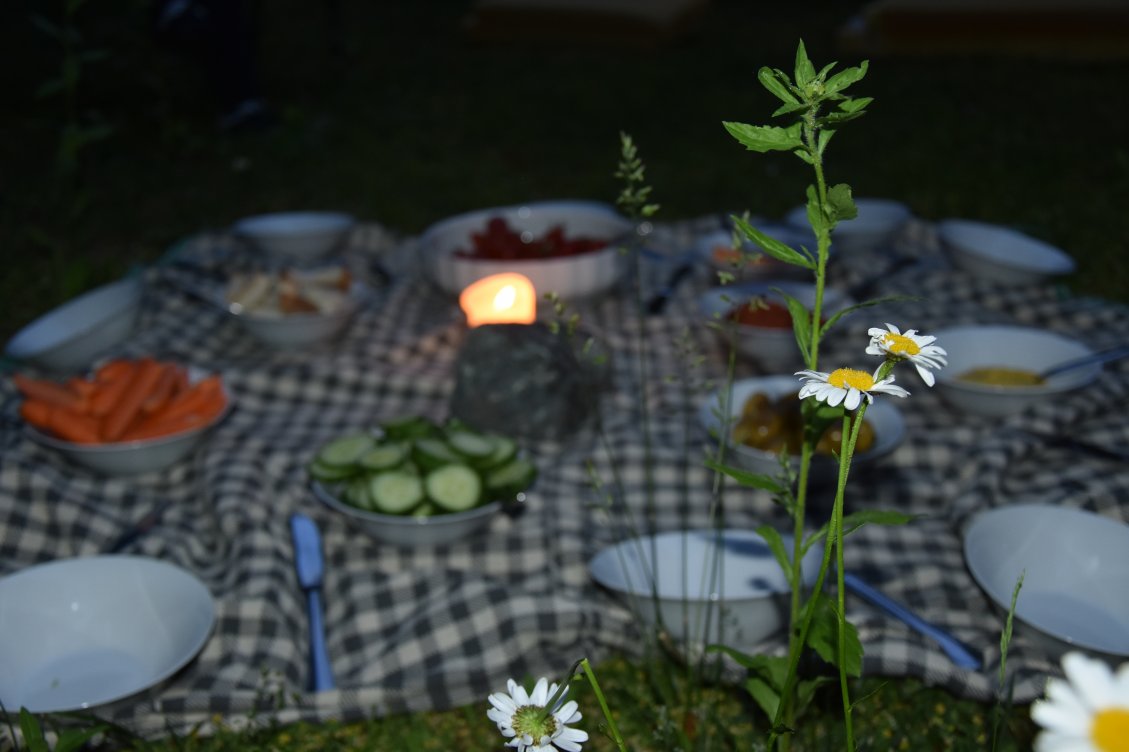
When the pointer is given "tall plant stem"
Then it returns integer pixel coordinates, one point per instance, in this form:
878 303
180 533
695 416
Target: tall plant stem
797 638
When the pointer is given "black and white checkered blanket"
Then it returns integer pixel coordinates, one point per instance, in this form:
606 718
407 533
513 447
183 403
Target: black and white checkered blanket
424 628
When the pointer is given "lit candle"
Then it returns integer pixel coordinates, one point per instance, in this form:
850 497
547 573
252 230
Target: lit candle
507 298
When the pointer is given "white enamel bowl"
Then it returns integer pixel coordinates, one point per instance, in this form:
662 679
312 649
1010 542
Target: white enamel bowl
576 276
293 331
1074 565
728 579
878 222
85 632
772 348
409 530
1026 348
1000 254
126 458
69 338
296 236
887 421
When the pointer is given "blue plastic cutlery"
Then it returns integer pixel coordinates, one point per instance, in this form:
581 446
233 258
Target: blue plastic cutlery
311 568
952 647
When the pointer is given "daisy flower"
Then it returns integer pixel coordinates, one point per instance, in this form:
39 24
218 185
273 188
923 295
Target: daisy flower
909 345
846 386
530 727
1086 712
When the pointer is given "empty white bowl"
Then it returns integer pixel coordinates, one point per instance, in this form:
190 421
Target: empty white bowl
728 579
1074 565
878 222
1019 347
575 276
886 420
773 348
69 338
1000 254
125 458
84 632
410 530
296 236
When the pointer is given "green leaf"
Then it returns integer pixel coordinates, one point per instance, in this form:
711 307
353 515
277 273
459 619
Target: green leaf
776 545
746 478
823 138
764 138
855 105
805 71
801 321
776 82
818 417
772 246
786 109
855 520
830 322
803 155
767 675
32 732
822 75
845 78
841 203
805 691
46 26
824 636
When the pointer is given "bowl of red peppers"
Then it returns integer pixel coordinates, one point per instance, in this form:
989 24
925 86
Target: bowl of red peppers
573 249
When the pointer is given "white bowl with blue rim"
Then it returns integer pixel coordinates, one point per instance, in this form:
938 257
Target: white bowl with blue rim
69 338
684 580
300 236
1074 564
1001 254
85 632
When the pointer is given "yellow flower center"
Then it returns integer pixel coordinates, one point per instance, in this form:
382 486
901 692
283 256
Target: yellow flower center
847 378
534 720
899 344
1110 730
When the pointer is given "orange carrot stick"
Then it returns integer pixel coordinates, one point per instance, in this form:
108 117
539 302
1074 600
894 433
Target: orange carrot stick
162 391
111 388
126 409
64 423
207 391
113 369
48 391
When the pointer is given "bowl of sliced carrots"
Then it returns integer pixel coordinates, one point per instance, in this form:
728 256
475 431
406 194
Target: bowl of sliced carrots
127 417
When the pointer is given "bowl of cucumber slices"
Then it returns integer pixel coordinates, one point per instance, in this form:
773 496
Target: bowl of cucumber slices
415 482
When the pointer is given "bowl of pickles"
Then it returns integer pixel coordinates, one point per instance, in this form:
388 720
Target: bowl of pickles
417 482
759 420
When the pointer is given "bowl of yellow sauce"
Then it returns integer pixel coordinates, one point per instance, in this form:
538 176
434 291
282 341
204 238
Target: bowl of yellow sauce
994 370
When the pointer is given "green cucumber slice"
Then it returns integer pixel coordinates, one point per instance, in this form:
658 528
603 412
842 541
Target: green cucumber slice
511 478
384 456
330 473
455 488
345 450
505 449
395 492
473 446
411 427
433 453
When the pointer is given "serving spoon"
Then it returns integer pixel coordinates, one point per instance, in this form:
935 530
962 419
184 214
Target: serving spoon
1101 356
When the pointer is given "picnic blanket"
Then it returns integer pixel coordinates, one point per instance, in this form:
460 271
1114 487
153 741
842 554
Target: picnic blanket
413 629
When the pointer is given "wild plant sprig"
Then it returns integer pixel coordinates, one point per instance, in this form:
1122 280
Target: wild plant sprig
815 103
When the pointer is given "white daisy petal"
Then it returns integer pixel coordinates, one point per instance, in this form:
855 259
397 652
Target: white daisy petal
853 398
540 694
1091 679
1060 718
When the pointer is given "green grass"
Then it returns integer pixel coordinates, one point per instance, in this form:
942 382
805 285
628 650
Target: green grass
417 123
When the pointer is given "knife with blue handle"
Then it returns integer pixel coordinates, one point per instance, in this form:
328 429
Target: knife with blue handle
311 567
952 647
